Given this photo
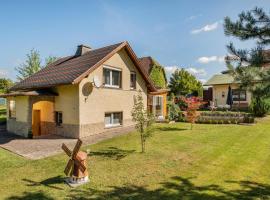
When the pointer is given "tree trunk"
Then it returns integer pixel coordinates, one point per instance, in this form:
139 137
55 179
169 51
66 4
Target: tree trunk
142 143
191 126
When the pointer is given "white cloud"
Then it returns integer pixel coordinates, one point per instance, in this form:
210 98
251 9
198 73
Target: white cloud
202 80
3 73
197 72
192 17
206 28
171 69
205 59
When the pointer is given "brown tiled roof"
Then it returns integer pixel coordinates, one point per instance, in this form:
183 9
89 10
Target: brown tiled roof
146 63
72 69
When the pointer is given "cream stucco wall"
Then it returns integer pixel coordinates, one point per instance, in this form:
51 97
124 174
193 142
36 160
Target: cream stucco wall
22 107
101 100
219 89
67 102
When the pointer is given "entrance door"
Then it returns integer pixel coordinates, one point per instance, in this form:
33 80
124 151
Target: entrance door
36 123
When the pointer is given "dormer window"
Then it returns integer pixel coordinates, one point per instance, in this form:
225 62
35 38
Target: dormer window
112 77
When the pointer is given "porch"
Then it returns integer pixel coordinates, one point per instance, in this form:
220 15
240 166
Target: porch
31 113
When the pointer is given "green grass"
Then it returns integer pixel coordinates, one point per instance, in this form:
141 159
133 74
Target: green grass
209 162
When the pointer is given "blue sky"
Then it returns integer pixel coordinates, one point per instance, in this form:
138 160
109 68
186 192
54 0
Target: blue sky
180 33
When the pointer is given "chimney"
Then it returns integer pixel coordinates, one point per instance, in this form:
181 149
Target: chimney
82 49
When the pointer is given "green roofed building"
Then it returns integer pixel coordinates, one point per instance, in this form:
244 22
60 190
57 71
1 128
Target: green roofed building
219 85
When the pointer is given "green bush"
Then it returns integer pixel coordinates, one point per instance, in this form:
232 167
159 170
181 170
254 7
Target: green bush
260 106
174 111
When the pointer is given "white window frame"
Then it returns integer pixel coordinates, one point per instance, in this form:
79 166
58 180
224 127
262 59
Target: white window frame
155 104
111 120
12 113
113 69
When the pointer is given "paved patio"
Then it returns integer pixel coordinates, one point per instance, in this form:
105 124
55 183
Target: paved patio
49 145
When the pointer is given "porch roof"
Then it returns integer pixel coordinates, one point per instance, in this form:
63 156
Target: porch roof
30 93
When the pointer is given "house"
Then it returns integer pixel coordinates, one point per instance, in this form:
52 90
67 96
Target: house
219 91
88 93
157 100
219 85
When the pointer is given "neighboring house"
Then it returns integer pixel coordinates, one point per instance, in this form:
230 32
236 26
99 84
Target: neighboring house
157 100
84 94
220 84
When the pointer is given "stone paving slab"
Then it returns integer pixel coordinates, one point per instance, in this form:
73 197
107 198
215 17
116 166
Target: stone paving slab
50 145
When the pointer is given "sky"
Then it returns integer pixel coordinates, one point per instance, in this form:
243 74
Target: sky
177 33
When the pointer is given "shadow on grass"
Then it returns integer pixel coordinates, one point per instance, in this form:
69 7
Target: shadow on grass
112 152
178 188
30 196
47 182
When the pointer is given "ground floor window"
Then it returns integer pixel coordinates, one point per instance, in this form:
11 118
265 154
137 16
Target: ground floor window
239 95
58 118
158 106
113 119
12 109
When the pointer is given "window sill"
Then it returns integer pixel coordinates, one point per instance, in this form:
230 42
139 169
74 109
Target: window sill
113 126
111 87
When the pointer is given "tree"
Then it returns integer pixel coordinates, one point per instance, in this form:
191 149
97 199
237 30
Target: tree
191 114
247 65
183 83
142 118
5 84
32 65
50 60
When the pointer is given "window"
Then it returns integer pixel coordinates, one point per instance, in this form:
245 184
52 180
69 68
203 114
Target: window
113 119
158 106
239 95
112 77
58 118
132 80
12 109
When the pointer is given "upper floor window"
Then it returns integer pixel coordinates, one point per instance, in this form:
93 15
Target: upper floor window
239 95
12 109
112 77
132 80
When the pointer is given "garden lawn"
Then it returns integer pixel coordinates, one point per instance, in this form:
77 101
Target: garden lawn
208 162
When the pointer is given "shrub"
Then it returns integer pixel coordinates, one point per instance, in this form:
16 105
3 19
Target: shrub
259 106
174 111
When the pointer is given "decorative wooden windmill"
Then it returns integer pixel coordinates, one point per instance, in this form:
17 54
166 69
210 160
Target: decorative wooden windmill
76 166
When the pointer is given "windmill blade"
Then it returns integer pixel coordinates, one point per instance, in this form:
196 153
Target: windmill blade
66 150
80 165
69 167
76 148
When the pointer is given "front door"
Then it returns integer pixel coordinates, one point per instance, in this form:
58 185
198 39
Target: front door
36 123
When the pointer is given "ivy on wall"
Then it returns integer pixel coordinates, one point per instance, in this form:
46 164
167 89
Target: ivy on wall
158 76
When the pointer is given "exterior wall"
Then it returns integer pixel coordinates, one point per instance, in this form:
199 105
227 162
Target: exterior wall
101 100
19 125
67 102
219 89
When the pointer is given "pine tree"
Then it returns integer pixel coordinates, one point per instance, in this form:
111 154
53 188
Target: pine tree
247 66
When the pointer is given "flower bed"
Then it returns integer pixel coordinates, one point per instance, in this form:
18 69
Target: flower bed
218 117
